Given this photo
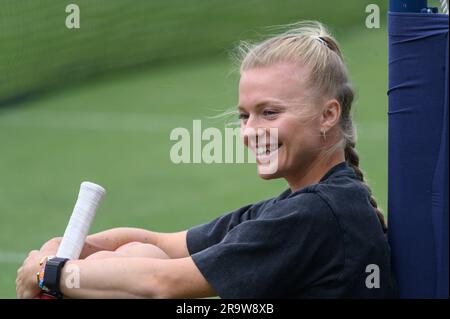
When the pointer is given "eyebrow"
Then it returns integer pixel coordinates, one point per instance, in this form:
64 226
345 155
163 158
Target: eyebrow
262 104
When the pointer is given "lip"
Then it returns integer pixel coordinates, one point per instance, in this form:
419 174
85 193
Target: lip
273 146
267 158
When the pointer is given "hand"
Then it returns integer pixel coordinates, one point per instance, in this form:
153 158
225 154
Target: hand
26 283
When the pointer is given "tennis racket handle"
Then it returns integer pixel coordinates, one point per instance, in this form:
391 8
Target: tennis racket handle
89 198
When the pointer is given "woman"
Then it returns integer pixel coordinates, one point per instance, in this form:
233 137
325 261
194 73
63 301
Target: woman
320 238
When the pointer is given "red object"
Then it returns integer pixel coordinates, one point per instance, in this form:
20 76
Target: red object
44 296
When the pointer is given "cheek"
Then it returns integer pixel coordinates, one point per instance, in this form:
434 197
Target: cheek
299 140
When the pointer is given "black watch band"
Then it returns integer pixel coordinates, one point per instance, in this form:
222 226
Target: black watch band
52 276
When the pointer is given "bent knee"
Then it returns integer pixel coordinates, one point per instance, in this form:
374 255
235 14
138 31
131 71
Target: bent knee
136 249
128 246
104 254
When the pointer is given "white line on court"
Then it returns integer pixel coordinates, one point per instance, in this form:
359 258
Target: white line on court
8 257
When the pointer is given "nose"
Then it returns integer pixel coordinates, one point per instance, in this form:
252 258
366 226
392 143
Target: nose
253 132
250 130
250 122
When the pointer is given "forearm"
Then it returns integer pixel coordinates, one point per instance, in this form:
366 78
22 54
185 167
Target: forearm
112 239
134 278
173 244
113 278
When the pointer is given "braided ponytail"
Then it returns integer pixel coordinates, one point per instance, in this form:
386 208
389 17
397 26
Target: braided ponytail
352 158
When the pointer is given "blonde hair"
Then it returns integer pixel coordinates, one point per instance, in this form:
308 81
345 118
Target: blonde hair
309 43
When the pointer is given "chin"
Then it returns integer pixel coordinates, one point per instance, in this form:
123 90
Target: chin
267 176
264 175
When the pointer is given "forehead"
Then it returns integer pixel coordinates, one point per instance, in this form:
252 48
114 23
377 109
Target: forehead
284 82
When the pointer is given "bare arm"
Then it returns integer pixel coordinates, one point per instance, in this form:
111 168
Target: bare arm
136 278
173 244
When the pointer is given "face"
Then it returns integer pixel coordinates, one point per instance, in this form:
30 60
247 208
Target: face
276 97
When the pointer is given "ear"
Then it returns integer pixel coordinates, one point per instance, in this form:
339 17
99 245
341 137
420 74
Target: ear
330 115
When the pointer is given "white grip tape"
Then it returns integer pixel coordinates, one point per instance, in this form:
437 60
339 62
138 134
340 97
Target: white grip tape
88 200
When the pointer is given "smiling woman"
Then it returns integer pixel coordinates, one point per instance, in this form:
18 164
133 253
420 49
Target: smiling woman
274 96
303 69
315 240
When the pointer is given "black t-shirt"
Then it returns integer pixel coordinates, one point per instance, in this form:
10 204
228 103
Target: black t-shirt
318 242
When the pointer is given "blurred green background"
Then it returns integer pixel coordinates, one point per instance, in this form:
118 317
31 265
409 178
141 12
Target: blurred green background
98 103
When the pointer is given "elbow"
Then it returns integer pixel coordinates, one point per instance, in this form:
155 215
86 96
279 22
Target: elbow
162 279
153 287
162 292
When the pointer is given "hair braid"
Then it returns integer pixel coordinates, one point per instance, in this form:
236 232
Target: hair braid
352 158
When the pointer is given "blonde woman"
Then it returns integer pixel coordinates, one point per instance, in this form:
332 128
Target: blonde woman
324 237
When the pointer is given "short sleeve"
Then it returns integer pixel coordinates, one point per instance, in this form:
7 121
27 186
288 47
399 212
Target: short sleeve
208 234
275 255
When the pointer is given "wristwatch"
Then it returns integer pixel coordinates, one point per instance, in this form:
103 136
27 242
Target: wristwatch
52 276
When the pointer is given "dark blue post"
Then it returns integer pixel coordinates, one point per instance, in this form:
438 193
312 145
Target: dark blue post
407 5
418 160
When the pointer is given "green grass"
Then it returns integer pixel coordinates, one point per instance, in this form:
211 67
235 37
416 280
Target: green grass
116 133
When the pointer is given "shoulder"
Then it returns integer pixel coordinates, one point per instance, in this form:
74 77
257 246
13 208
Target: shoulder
344 194
305 207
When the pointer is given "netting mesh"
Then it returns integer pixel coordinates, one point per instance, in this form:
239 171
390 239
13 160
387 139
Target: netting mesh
38 52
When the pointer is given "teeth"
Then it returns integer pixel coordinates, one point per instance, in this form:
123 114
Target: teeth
266 150
260 151
273 147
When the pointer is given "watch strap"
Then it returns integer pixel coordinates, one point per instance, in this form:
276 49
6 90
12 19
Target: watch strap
52 276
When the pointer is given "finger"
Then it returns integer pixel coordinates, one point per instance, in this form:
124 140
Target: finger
32 252
33 258
19 286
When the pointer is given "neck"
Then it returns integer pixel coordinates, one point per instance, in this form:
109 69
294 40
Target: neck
313 173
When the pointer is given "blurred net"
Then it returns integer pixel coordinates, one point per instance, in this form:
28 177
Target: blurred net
38 52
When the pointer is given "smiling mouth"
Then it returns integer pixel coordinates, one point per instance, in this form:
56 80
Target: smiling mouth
267 150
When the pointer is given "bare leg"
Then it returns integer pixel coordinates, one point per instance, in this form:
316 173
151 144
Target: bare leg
133 249
137 249
104 254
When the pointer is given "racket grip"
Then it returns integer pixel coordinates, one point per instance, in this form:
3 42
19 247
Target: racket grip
89 198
